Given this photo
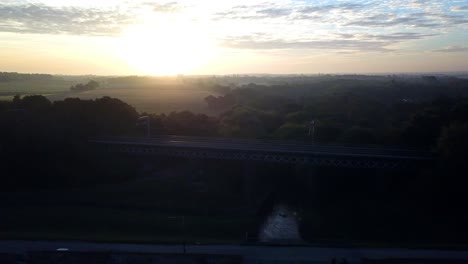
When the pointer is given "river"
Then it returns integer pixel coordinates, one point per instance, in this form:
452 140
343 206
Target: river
280 226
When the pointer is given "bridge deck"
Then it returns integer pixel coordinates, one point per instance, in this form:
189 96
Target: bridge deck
268 146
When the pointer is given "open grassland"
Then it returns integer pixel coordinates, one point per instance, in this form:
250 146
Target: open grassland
96 223
151 100
56 85
152 95
145 211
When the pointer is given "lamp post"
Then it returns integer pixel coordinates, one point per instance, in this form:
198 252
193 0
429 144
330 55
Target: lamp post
145 120
312 129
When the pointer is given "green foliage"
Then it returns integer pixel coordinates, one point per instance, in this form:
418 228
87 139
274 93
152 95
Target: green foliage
453 143
14 76
348 113
241 122
248 122
43 145
51 139
327 133
91 85
291 131
357 135
32 103
299 117
103 116
190 124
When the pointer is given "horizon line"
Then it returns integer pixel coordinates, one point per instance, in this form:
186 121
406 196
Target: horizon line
252 74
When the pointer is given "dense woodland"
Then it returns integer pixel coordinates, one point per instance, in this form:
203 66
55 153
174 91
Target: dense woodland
426 113
43 143
91 85
14 76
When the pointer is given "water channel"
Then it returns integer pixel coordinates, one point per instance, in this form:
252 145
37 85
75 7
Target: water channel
280 226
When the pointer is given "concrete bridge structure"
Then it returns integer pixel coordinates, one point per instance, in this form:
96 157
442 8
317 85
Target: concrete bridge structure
287 152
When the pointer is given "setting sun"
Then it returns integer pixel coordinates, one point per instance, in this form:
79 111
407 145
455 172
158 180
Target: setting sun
165 46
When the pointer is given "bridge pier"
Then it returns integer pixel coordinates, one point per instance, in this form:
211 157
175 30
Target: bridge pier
306 174
192 172
249 174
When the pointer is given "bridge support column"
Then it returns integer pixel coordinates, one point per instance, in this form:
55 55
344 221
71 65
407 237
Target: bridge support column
248 179
306 177
306 173
193 170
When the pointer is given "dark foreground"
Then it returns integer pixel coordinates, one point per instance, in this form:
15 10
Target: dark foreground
81 252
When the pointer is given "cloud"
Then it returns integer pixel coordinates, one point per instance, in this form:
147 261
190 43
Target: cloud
365 14
453 19
421 20
354 45
164 7
286 24
460 8
35 18
342 42
390 37
253 12
332 7
403 36
453 49
274 12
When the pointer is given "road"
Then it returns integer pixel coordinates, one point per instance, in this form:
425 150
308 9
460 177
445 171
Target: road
251 254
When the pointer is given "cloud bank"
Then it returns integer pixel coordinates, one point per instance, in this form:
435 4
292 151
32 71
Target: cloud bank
366 25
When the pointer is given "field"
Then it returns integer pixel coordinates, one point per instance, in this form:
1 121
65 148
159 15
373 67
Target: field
142 210
151 96
150 100
56 84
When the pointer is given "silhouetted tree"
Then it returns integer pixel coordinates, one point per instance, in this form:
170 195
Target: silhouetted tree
357 135
35 103
188 123
453 144
91 85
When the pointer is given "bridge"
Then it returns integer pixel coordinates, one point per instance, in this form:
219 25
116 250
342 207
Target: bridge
289 152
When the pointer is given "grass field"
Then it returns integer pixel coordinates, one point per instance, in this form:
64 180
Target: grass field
95 223
148 211
56 85
151 100
154 96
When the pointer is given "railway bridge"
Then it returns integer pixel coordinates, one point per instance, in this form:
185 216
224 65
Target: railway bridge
288 152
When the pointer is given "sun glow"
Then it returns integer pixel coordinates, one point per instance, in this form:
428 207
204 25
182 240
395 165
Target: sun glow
165 46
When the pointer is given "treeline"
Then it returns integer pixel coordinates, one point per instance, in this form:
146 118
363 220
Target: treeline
438 125
43 144
91 85
385 89
340 117
14 76
348 116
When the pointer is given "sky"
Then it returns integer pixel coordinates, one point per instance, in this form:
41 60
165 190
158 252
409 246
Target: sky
145 37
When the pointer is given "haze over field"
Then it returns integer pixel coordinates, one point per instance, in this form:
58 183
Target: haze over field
226 37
